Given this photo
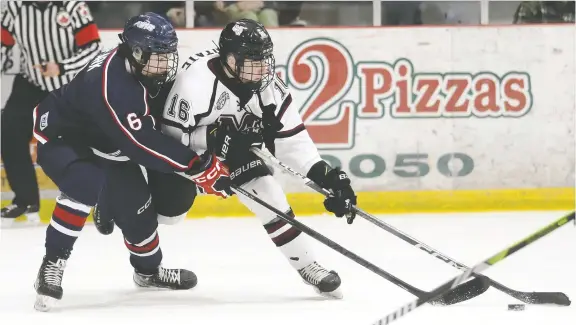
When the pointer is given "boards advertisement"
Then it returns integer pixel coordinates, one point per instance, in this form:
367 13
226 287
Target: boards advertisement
431 114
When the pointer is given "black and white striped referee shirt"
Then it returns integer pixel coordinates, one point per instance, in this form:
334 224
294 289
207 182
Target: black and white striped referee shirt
63 32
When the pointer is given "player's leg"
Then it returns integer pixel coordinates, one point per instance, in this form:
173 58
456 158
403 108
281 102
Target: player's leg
135 214
289 240
103 214
172 195
15 148
80 180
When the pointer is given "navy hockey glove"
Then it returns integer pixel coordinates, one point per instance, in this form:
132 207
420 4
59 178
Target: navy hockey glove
210 175
336 181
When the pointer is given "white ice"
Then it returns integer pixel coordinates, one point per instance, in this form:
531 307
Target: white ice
243 279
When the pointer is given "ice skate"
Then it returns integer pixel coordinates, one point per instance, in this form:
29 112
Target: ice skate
174 279
326 283
10 213
48 283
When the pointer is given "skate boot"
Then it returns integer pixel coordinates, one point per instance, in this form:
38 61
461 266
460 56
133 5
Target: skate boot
175 279
103 222
48 283
324 282
9 213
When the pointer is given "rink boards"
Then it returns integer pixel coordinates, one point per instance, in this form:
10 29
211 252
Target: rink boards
424 119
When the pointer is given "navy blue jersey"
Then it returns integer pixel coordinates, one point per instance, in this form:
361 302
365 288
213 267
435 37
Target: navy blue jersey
106 108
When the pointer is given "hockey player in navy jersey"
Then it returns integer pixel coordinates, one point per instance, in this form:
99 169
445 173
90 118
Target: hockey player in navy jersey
229 99
100 126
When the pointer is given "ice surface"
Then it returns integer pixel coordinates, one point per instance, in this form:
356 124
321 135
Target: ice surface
243 278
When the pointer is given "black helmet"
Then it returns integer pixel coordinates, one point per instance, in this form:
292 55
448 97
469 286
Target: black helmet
247 40
143 36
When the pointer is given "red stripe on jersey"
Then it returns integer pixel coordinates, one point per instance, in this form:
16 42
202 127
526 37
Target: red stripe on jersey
69 218
7 39
87 34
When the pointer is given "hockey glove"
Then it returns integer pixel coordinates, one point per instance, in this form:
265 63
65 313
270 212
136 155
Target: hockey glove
211 176
230 144
343 198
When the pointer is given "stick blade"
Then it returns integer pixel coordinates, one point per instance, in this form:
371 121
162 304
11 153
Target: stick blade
543 298
463 292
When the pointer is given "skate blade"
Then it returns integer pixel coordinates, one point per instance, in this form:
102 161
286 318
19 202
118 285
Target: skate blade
336 294
44 303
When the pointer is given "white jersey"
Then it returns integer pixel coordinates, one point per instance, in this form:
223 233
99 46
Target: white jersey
198 98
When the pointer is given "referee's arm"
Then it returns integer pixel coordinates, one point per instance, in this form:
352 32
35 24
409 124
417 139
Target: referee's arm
6 38
87 40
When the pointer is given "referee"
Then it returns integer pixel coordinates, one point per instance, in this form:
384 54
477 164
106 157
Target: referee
56 40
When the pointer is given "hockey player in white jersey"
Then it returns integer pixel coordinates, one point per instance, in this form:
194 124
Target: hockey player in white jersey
229 99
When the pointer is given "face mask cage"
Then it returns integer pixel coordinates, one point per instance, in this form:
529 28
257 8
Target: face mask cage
159 67
154 70
257 74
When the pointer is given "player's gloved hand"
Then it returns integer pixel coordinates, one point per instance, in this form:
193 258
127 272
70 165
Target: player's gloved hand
230 144
210 175
344 198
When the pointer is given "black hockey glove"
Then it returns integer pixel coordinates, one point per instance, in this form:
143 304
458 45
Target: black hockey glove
337 182
230 144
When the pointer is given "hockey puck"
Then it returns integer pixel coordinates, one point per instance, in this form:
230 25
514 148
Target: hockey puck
516 307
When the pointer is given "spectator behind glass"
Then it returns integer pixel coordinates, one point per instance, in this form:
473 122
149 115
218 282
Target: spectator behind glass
538 12
262 11
174 11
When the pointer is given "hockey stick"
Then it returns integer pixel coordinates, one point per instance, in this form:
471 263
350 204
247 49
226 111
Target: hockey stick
466 291
557 298
498 257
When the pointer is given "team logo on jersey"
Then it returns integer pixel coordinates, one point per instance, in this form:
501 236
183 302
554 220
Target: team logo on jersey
222 100
249 123
44 121
63 18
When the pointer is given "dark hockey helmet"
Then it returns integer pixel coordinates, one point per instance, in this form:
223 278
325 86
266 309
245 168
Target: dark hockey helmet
251 46
150 44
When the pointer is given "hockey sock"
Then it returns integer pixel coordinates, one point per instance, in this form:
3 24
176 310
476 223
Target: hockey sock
145 255
290 242
65 226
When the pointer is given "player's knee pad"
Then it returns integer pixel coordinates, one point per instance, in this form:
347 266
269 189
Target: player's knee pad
166 220
270 191
245 170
